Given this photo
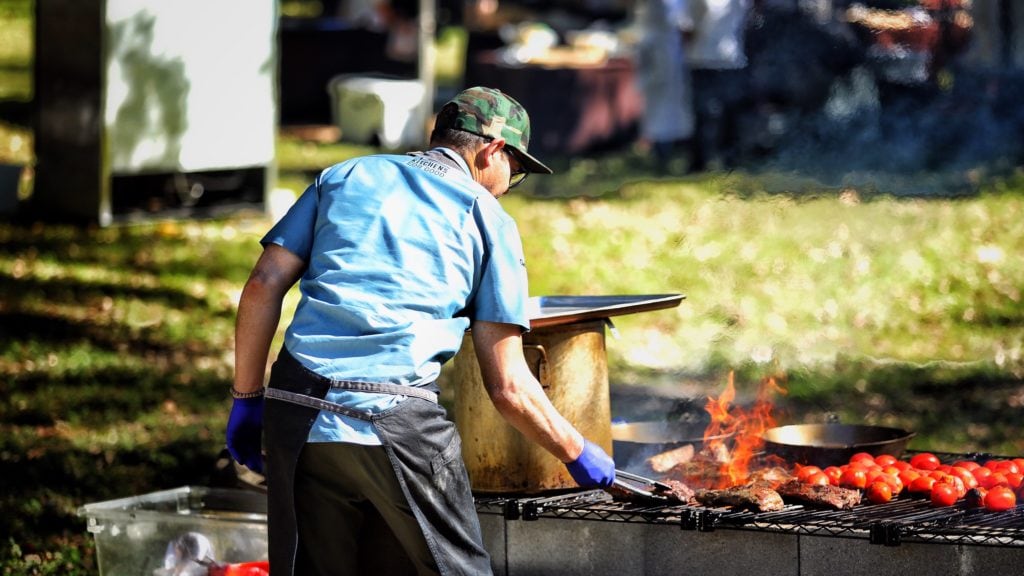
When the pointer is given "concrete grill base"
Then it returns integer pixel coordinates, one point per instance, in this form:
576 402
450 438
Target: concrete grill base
575 547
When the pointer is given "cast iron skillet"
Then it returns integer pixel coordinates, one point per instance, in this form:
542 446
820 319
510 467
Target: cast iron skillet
633 442
833 444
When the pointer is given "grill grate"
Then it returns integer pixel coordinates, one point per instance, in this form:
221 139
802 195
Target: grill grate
890 524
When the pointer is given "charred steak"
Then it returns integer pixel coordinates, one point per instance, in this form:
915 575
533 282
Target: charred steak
679 491
819 496
759 497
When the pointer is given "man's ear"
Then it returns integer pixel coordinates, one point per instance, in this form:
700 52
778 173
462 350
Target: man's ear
489 152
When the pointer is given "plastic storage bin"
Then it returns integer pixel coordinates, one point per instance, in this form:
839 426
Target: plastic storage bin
163 532
385 110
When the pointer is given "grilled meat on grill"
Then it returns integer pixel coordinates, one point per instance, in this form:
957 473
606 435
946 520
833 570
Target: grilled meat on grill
665 461
679 491
819 496
759 497
623 493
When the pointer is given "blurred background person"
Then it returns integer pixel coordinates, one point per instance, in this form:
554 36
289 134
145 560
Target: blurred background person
716 56
663 77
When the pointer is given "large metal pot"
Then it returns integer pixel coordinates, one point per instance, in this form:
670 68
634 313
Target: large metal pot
566 351
833 444
571 363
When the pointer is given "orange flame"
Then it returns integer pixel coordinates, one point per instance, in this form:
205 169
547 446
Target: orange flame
743 427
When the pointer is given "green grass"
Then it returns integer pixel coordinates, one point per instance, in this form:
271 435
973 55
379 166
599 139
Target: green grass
116 349
16 50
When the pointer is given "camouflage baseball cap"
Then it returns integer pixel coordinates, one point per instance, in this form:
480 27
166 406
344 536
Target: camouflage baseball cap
488 112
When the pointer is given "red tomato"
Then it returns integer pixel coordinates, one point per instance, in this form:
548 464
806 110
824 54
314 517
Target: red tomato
1014 480
992 464
819 478
894 482
956 483
922 485
966 464
1003 465
862 457
943 494
1000 498
908 476
925 461
1020 464
879 493
834 473
854 478
862 464
994 479
980 473
804 471
1007 467
965 476
902 465
884 460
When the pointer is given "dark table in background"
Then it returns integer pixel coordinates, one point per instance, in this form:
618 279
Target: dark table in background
573 109
312 51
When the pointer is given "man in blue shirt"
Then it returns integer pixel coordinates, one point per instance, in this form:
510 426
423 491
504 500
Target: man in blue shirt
396 257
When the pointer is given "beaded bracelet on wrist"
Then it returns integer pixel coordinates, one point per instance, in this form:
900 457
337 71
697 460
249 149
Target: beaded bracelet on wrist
244 395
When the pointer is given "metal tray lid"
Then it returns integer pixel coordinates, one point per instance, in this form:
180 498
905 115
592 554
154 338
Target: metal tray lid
555 310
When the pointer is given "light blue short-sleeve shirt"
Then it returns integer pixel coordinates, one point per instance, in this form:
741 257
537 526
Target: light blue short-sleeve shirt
403 253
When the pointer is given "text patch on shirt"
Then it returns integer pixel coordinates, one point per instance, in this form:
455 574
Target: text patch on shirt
435 168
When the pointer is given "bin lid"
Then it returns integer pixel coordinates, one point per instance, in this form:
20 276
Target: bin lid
556 310
182 504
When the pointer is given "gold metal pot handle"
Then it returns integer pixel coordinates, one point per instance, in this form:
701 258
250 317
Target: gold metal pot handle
541 370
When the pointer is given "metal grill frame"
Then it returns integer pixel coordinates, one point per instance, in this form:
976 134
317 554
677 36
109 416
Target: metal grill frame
906 519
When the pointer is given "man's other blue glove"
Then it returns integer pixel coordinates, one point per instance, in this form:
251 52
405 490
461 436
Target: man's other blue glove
245 432
594 468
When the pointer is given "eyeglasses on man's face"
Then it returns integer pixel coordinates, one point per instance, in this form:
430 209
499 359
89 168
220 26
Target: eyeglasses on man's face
516 172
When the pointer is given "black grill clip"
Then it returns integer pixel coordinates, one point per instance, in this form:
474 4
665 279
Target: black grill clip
886 534
689 519
511 510
708 520
702 520
532 510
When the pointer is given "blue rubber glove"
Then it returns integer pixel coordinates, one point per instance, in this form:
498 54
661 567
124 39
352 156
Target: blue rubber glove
594 468
245 432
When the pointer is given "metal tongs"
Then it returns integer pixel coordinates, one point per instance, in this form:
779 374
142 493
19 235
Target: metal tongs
628 481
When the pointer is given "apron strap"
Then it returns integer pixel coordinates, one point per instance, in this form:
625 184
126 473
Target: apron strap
384 388
320 404
312 402
375 387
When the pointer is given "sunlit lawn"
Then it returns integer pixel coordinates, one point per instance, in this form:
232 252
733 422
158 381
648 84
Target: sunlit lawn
15 50
116 349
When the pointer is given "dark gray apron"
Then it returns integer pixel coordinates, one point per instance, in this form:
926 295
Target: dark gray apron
425 452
